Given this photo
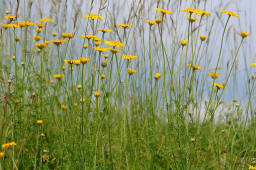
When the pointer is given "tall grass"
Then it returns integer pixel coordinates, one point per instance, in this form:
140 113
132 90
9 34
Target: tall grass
131 96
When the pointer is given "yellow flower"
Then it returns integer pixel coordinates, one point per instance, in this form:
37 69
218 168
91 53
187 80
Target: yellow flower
40 25
157 76
115 51
131 71
195 67
150 22
10 17
253 64
7 12
14 57
46 20
229 13
104 30
196 11
85 46
58 42
77 62
70 61
203 37
163 11
16 101
17 39
104 63
54 34
219 86
67 35
124 25
102 76
2 154
58 76
159 20
84 60
114 43
100 49
252 167
79 86
82 100
64 107
192 19
96 43
37 38
244 34
39 121
128 57
93 16
106 56
41 45
183 42
97 94
5 146
38 30
234 100
88 36
214 75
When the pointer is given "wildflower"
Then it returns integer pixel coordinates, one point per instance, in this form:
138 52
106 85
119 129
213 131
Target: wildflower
128 57
77 62
17 39
183 42
45 158
85 46
58 42
93 16
203 37
10 17
46 20
219 86
38 30
97 43
2 154
41 45
159 20
157 76
196 11
22 63
58 76
253 64
84 60
67 35
97 94
79 86
252 167
192 19
150 22
234 100
163 11
237 105
230 13
5 146
244 34
104 30
37 38
102 76
39 121
114 51
195 67
88 36
106 56
16 101
40 25
52 81
70 61
7 12
114 43
14 57
82 100
75 104
131 71
64 107
104 63
124 25
54 34
214 75
100 49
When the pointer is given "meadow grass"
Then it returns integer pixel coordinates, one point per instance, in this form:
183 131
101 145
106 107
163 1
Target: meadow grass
91 92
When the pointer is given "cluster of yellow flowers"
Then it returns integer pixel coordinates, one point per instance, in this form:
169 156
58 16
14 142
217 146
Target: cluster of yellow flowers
196 11
7 145
129 57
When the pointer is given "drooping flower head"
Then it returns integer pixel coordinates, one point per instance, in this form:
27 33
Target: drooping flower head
230 13
214 75
219 86
244 34
131 71
157 76
163 11
183 42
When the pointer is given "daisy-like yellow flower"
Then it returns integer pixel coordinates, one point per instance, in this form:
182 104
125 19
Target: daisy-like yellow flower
97 94
77 62
254 64
2 154
129 57
58 76
114 51
252 167
163 11
41 45
96 43
14 57
183 42
79 86
131 71
67 35
10 17
196 11
54 34
158 21
64 107
150 22
157 76
100 49
40 25
104 30
244 34
102 76
58 42
192 19
39 122
93 16
38 30
37 38
202 37
16 101
5 146
230 13
84 60
214 75
195 67
124 25
17 39
46 20
104 63
106 56
114 43
88 36
219 86
82 100
70 61
85 46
